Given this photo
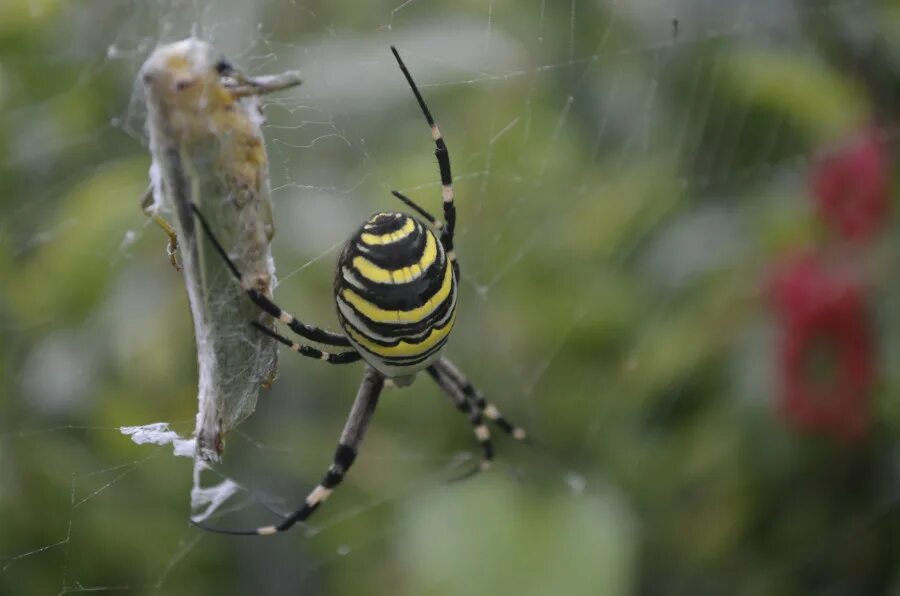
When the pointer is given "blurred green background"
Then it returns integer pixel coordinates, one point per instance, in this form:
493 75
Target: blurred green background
628 174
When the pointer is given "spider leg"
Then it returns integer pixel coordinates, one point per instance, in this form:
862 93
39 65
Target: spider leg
443 159
309 332
482 434
310 352
348 445
490 411
435 223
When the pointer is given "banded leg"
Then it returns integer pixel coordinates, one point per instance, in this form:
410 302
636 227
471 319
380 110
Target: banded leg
310 332
490 411
443 159
348 445
482 434
310 352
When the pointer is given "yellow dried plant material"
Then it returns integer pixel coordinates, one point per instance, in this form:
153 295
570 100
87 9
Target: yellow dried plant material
203 121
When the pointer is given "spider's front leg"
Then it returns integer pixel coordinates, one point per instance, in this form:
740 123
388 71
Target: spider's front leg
309 332
443 158
308 351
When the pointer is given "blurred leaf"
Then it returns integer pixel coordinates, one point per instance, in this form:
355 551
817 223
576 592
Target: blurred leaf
811 95
18 14
69 271
470 539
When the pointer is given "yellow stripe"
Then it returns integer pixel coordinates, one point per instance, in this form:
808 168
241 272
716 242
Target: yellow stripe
379 315
374 273
404 349
400 234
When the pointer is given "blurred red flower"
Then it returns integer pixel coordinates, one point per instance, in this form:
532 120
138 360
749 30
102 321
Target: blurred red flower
826 352
851 188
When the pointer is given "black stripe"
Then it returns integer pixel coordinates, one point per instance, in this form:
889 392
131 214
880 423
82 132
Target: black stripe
443 158
396 338
405 296
344 357
303 513
332 478
395 331
412 363
344 456
394 257
384 223
407 361
402 253
450 225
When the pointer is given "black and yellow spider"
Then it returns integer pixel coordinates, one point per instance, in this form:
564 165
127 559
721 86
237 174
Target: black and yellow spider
395 287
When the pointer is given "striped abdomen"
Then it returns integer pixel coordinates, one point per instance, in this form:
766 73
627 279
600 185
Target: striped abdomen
396 294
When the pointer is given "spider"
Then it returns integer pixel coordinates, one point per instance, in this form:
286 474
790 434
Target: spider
396 290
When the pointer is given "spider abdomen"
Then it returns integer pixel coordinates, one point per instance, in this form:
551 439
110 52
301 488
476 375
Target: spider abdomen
396 294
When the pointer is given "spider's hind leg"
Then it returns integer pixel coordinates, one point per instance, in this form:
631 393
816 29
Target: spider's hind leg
482 434
348 446
449 370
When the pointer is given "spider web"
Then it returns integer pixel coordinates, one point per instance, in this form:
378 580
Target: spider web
608 158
